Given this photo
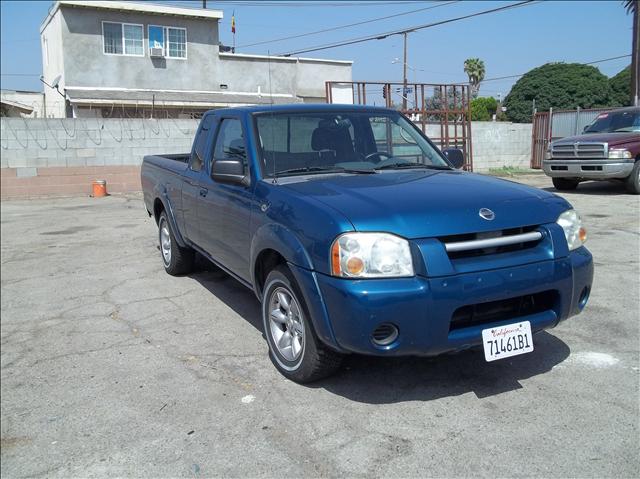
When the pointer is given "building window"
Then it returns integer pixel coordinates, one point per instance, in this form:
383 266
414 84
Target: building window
171 40
123 39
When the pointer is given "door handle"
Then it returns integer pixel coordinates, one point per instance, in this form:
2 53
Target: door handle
203 192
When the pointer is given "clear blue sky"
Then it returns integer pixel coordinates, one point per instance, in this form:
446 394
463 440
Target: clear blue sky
510 42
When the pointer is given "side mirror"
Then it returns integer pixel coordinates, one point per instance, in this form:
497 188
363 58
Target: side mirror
229 171
585 128
455 157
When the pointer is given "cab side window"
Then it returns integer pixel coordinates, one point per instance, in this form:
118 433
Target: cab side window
230 142
198 157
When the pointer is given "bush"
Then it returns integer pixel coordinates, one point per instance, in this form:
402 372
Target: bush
559 86
620 86
483 108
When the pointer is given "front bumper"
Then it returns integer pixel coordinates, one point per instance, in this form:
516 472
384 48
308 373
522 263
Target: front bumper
588 169
422 307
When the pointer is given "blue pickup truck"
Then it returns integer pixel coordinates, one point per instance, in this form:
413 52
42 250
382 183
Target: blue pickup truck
358 235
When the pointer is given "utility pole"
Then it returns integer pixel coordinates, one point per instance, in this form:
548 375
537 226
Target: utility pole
404 74
635 55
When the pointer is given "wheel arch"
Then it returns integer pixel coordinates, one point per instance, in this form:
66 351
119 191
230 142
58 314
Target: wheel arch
271 245
162 203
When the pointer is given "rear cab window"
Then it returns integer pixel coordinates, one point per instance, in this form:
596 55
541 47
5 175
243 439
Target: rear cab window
200 144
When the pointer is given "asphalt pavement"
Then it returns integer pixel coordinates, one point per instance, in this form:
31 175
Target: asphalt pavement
111 367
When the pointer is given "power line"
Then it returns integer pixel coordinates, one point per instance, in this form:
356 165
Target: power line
588 63
316 4
380 36
348 25
20 74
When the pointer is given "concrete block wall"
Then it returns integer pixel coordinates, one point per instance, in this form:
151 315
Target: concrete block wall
496 144
43 157
90 142
63 156
499 144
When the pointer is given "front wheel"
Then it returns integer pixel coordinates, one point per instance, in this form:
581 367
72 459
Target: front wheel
294 347
633 180
565 184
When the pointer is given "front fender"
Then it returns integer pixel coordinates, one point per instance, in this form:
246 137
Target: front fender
285 242
278 238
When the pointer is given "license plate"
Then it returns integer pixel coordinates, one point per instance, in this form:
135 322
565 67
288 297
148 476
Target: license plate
506 341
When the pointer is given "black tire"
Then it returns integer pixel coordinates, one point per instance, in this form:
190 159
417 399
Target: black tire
315 361
180 260
565 184
633 180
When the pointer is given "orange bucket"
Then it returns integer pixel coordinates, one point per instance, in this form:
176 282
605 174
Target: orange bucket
99 188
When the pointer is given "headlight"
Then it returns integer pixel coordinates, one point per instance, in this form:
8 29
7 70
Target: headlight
620 154
371 255
547 153
574 232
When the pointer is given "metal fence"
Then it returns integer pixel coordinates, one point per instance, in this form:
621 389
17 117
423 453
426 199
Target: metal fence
553 125
445 105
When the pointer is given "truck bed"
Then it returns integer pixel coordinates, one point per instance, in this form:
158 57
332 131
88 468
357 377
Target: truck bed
166 171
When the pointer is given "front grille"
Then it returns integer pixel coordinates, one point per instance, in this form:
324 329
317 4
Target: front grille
469 253
505 309
579 150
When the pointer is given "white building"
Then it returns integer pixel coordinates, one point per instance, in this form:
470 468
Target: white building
114 59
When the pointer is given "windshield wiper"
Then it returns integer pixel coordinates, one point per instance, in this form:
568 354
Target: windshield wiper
402 164
336 169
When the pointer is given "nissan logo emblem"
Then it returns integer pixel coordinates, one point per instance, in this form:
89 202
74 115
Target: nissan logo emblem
486 214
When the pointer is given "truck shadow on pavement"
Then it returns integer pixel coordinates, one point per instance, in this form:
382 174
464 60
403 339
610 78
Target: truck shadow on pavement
594 188
378 380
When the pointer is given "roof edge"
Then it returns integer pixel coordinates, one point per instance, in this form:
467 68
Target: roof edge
150 8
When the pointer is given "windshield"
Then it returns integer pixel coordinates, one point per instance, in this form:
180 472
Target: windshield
356 142
622 121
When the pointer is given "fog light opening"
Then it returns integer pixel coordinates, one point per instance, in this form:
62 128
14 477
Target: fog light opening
385 334
584 297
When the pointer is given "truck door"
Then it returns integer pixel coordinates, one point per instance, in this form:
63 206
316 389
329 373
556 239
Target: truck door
224 212
191 190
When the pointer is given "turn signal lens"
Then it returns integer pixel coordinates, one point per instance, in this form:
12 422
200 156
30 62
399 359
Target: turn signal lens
355 266
582 234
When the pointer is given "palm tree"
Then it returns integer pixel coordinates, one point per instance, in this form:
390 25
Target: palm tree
632 7
474 68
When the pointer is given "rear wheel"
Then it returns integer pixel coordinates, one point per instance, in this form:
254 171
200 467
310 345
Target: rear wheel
294 347
565 184
176 259
633 180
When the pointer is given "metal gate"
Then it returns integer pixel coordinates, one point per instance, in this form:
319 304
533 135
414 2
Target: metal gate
539 138
555 124
441 111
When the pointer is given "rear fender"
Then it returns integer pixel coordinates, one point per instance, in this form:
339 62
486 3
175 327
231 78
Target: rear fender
161 193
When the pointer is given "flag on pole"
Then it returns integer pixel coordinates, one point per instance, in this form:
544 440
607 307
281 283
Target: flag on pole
233 22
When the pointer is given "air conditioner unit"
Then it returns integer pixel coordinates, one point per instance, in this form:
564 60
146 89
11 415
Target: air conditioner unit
156 52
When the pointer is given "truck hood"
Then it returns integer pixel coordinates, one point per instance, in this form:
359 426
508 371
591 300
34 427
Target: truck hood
428 203
611 138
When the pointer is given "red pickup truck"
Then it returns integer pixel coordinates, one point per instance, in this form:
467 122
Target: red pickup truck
608 149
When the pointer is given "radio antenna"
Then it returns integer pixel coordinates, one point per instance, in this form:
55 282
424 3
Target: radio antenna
273 133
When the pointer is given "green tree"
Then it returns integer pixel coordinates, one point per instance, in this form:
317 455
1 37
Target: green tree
558 86
474 68
620 86
483 108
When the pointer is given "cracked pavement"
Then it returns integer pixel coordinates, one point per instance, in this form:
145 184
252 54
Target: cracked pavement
110 367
